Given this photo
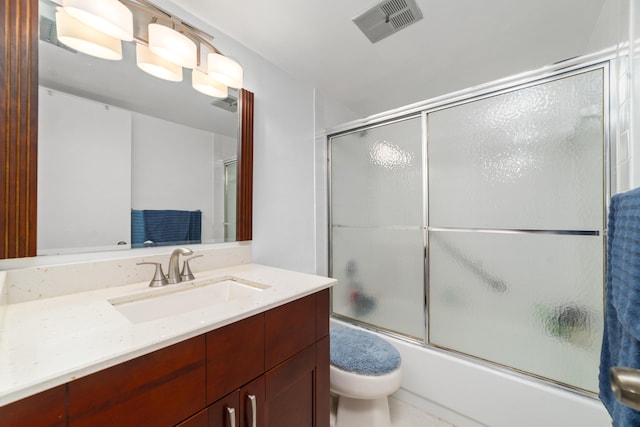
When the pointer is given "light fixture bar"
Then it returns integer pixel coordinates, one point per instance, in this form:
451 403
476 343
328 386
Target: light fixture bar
157 33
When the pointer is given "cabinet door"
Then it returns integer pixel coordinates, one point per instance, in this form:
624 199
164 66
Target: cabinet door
159 389
252 403
46 409
290 392
224 412
235 356
322 387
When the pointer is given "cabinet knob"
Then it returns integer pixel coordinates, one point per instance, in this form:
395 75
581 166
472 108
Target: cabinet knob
231 417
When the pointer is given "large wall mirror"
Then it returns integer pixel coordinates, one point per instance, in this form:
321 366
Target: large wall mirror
121 153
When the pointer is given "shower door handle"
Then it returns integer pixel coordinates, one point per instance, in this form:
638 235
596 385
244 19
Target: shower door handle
625 384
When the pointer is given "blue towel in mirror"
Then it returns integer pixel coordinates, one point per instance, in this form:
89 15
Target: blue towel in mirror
165 227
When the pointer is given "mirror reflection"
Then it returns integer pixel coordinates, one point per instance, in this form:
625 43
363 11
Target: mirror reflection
126 159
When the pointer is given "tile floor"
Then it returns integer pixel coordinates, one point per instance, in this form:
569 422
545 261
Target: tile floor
403 415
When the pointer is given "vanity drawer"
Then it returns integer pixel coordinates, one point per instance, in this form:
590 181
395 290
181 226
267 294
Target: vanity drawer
43 409
161 388
290 329
235 356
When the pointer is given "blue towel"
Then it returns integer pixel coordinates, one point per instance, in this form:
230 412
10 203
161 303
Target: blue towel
195 227
137 228
165 227
353 350
621 340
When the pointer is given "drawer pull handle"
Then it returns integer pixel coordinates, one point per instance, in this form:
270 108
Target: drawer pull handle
231 416
252 399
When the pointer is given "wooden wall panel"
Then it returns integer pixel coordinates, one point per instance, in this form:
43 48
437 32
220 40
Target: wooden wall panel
245 168
18 139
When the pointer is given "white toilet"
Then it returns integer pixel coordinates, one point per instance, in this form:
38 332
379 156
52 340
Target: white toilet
364 371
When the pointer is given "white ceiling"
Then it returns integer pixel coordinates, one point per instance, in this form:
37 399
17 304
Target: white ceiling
458 43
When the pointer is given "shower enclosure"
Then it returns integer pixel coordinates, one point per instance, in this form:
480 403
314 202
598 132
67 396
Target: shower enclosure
476 224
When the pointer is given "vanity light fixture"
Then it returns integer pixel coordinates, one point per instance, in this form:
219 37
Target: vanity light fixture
173 46
224 69
86 39
165 44
205 84
157 66
108 16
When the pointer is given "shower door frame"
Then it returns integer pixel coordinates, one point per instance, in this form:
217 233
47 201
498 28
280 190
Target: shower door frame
605 60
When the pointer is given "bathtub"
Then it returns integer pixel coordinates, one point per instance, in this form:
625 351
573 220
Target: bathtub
470 394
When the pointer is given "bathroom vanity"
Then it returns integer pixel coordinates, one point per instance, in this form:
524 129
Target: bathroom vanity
259 359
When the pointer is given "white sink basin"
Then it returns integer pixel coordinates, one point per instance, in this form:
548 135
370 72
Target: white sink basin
172 300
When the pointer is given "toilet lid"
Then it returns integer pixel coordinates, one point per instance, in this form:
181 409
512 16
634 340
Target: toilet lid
361 352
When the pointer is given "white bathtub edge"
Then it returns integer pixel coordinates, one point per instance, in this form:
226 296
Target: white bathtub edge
469 394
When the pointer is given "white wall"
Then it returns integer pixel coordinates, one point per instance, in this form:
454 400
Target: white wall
283 199
634 86
84 152
606 30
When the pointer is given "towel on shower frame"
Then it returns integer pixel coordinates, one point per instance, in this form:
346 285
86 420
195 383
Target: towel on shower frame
621 339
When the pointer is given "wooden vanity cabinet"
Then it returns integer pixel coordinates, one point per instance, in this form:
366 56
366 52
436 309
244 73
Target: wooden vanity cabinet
293 387
278 359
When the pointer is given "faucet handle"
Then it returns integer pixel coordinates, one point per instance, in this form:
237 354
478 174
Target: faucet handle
186 273
159 279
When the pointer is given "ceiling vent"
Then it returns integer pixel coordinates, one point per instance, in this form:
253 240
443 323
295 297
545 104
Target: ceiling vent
387 18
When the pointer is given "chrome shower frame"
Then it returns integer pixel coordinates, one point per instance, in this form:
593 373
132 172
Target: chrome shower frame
605 60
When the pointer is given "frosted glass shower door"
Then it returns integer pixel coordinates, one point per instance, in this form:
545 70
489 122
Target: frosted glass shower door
516 219
378 226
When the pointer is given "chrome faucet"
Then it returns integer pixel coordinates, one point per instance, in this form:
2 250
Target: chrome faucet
174 270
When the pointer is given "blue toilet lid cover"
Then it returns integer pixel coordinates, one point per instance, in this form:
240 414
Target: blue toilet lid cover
361 352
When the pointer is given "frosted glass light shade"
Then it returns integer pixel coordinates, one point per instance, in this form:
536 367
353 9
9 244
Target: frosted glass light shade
86 39
156 66
108 16
205 84
225 70
173 46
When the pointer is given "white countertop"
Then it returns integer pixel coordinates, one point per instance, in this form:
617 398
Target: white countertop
51 341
